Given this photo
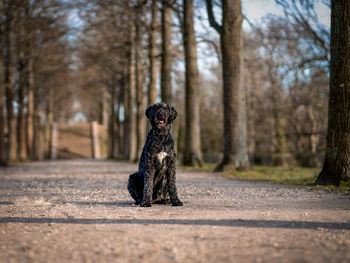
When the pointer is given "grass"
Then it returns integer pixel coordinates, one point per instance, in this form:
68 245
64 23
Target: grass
205 168
281 175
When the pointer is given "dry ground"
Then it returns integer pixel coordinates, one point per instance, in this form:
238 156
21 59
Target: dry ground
80 211
74 140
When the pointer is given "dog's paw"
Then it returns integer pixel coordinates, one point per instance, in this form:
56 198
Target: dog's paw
145 204
177 203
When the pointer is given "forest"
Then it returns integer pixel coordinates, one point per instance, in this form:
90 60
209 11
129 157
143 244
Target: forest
247 91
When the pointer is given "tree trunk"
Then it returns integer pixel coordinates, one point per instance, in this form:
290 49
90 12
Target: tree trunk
235 130
125 111
38 132
192 154
22 147
118 150
130 120
153 61
49 123
336 168
126 124
22 72
251 102
111 132
313 137
29 84
30 111
38 137
102 118
2 119
11 121
140 94
117 136
281 156
166 90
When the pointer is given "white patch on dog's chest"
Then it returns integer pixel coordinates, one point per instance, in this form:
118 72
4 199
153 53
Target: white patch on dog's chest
161 156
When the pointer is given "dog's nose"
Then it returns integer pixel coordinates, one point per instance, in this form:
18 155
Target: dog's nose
161 115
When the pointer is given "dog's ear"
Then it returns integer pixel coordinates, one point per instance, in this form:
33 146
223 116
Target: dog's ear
172 115
150 112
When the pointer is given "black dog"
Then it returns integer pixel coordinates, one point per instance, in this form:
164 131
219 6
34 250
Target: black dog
155 180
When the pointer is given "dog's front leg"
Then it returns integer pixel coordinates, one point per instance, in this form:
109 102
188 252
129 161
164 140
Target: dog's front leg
148 188
171 178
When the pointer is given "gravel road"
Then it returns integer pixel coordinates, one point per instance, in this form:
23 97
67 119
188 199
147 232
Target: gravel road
80 211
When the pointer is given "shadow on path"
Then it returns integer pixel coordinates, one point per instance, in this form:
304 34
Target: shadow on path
126 203
195 222
6 203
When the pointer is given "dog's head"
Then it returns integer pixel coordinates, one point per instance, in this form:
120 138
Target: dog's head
161 115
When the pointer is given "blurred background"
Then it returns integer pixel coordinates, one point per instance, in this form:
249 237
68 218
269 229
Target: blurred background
77 77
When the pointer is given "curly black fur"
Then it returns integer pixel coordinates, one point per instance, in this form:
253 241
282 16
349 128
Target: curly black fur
155 180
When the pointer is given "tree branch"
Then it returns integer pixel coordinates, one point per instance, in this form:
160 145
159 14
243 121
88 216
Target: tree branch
211 17
213 44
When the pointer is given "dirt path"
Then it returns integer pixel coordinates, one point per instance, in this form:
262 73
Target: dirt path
80 211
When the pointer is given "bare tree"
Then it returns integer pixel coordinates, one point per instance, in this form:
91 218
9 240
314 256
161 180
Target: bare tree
140 93
28 27
336 168
8 44
2 119
305 22
166 89
131 138
51 57
111 124
153 61
192 152
30 110
22 72
235 130
113 71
